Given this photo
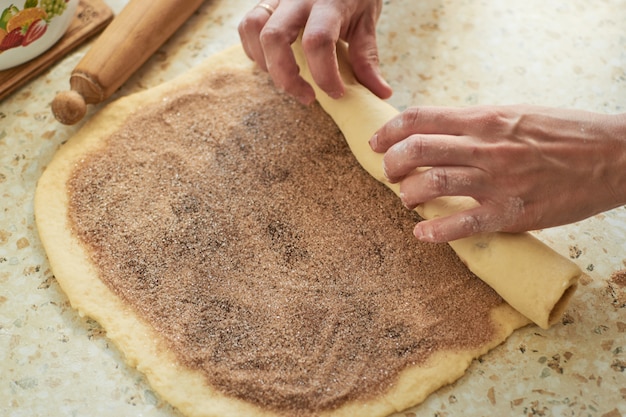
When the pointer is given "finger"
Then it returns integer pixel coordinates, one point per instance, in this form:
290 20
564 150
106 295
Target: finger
459 225
250 29
319 43
423 120
363 55
429 184
506 215
281 30
426 151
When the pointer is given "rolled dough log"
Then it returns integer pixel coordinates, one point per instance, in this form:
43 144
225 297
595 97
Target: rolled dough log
533 278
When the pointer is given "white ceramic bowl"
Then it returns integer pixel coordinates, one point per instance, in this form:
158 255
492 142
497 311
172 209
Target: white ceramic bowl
28 28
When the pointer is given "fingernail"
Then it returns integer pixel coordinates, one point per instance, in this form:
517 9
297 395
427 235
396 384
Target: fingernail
404 202
306 100
385 170
336 94
374 141
423 235
402 199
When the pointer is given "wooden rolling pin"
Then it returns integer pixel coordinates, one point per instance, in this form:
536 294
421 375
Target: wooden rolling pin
131 38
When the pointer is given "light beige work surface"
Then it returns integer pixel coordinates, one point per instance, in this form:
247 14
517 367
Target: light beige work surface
568 53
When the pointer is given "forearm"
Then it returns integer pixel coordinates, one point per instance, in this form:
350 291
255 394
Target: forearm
615 172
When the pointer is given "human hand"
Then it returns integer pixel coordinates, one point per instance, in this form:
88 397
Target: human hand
268 32
527 167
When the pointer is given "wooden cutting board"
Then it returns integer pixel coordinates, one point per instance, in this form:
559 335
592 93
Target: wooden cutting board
91 17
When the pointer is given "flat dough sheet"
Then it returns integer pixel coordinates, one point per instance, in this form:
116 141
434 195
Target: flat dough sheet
143 347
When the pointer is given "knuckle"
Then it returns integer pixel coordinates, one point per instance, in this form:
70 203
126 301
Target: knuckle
437 180
317 40
411 116
366 57
271 35
250 25
494 119
417 146
472 224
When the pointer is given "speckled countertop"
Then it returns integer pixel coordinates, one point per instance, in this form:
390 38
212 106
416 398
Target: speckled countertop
568 53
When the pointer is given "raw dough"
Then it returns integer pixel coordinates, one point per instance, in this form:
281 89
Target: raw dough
528 274
144 347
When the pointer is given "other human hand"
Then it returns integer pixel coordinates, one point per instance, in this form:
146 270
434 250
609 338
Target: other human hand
268 30
528 167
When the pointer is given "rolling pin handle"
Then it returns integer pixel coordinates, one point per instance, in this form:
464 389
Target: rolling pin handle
69 107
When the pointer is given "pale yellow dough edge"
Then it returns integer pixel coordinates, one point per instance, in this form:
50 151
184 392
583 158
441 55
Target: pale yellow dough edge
534 279
182 387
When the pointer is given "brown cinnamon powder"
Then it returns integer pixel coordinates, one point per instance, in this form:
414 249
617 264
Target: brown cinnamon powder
240 226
